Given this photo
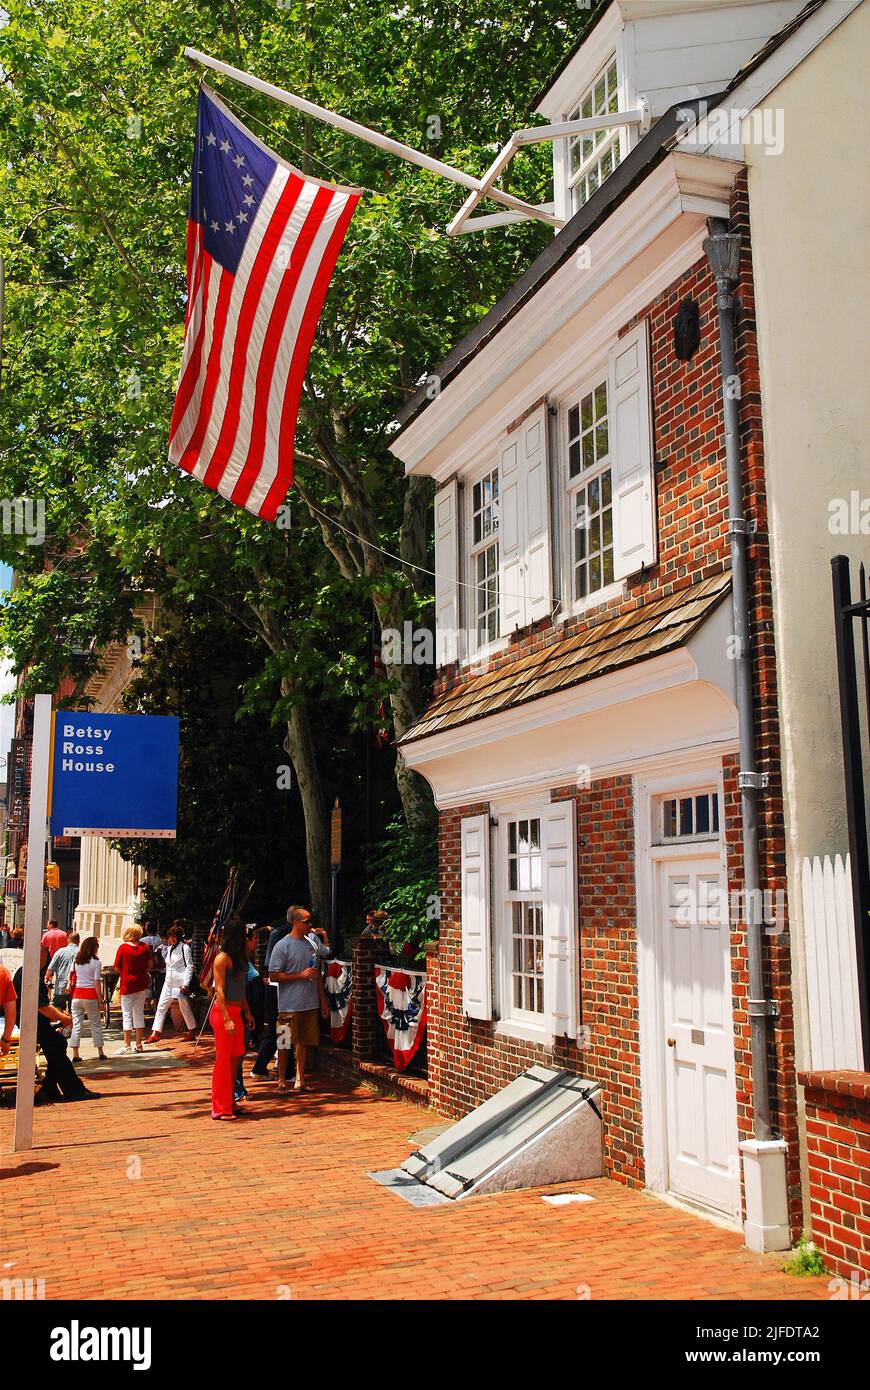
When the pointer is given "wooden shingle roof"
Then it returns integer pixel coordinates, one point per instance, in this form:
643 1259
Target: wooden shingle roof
655 627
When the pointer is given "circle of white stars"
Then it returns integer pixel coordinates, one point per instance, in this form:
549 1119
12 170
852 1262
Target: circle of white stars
249 199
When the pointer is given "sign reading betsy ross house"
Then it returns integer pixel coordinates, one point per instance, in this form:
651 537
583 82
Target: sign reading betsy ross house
114 774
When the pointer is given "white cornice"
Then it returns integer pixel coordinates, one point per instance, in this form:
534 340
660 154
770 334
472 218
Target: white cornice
646 243
589 59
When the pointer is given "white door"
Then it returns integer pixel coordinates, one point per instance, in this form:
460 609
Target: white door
697 1034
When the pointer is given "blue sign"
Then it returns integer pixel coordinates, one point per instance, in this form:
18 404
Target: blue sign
114 775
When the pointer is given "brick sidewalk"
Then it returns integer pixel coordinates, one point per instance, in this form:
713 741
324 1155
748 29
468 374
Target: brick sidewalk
279 1205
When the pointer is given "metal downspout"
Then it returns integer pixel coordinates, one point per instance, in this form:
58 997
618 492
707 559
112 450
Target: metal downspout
722 248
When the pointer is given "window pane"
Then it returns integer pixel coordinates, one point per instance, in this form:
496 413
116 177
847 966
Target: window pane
588 147
512 837
536 872
607 163
669 819
593 181
599 95
573 421
476 496
702 815
539 986
686 815
594 573
476 529
535 834
518 992
588 451
605 488
600 401
524 836
594 494
574 459
529 993
586 411
607 528
587 105
512 875
716 811
518 955
608 566
525 875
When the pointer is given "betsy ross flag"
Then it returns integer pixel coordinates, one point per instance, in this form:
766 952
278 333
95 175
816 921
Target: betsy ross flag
262 242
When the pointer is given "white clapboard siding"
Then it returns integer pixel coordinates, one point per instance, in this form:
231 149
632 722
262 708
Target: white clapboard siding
832 972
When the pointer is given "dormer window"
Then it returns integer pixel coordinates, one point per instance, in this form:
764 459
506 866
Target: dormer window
594 155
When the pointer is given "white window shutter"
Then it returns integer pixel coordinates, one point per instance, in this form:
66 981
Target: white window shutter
476 929
561 988
537 516
446 574
634 528
511 591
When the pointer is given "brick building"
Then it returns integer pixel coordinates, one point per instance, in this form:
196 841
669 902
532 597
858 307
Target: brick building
584 740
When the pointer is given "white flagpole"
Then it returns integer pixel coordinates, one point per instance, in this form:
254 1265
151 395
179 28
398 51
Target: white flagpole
27 1004
372 137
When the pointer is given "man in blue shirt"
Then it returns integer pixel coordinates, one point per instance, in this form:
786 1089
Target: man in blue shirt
319 942
294 966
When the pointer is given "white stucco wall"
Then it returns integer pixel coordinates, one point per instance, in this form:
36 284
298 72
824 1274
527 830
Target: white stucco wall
810 217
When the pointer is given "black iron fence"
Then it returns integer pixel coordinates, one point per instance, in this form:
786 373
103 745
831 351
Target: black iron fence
853 674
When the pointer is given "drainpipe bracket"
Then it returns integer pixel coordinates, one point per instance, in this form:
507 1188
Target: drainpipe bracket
762 1008
753 781
742 525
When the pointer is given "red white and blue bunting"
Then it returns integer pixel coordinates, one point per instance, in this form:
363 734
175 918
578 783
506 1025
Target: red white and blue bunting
401 996
339 985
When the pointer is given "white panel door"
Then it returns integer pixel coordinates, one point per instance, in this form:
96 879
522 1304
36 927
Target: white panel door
697 1034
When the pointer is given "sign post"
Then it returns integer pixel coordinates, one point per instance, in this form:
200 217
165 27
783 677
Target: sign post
27 1004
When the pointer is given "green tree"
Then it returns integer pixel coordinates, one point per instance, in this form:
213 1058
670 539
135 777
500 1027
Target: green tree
96 121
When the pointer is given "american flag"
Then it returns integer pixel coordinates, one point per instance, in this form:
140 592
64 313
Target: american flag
262 242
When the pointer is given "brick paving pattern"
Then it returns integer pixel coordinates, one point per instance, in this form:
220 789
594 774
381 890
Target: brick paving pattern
278 1205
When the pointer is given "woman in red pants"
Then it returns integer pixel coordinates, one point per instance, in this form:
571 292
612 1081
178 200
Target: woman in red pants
228 1010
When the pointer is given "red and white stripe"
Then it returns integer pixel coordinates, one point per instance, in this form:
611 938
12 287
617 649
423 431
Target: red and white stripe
248 338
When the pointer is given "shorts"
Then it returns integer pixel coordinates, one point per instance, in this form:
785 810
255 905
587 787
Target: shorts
304 1027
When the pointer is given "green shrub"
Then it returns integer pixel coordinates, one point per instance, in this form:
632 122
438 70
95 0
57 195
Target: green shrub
402 881
806 1259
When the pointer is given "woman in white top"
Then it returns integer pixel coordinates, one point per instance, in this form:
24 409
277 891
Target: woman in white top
86 996
179 972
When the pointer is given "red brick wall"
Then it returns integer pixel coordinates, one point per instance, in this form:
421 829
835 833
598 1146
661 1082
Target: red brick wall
469 1061
693 544
838 1155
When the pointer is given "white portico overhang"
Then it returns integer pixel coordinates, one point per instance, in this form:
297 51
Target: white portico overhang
621 721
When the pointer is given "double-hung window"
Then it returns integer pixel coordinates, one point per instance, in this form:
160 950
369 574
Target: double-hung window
525 908
595 154
485 557
590 491
607 462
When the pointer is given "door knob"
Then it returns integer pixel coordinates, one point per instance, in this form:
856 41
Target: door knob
672 1042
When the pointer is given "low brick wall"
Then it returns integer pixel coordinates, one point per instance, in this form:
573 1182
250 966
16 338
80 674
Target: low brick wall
838 1148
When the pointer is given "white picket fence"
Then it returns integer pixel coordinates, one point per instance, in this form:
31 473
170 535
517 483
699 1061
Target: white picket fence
832 973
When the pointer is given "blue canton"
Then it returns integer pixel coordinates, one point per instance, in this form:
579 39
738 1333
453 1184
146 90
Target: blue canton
230 175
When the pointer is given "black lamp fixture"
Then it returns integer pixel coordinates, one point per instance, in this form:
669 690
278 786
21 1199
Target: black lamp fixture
723 252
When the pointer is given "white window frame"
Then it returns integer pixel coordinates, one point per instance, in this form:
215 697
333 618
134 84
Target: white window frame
659 840
512 1022
572 486
473 550
601 140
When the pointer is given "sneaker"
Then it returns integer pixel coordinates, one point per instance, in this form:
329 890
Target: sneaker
139 1048
260 1075
154 1037
126 1051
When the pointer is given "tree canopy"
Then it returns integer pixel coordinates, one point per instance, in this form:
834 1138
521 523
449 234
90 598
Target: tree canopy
97 111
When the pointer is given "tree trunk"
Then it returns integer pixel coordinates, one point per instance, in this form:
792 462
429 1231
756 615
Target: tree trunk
299 745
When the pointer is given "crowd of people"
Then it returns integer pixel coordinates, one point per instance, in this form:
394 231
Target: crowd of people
269 1001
